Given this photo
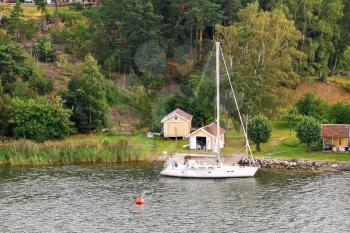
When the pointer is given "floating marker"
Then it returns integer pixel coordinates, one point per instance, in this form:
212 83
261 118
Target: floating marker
139 200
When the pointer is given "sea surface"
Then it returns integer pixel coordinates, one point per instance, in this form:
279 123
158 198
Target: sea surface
100 198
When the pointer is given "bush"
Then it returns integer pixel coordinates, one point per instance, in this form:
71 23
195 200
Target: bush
309 131
259 130
340 113
29 28
41 85
39 119
116 96
43 50
310 105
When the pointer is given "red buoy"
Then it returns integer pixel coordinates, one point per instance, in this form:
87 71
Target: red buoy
140 201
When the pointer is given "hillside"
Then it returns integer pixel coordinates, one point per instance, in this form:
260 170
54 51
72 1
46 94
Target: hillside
332 91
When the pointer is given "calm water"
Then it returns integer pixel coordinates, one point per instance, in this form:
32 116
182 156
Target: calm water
101 199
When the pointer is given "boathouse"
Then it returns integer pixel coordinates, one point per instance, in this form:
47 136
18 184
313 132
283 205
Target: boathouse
336 137
177 124
205 138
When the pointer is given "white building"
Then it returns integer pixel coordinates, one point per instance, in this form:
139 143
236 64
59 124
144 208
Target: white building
205 138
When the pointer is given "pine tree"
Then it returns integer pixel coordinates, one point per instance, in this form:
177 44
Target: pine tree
86 96
15 21
201 14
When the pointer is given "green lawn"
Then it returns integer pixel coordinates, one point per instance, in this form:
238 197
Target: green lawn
280 145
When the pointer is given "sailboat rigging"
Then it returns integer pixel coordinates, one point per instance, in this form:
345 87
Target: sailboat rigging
196 169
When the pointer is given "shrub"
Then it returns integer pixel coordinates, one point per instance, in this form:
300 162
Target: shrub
39 119
42 85
310 105
43 50
309 131
29 28
340 113
259 130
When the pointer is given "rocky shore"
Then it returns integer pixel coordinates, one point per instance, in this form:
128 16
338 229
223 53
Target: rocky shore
312 165
274 163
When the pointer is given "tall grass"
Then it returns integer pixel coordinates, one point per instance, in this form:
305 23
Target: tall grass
28 153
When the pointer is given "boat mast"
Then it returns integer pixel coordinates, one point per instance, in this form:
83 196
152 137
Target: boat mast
218 134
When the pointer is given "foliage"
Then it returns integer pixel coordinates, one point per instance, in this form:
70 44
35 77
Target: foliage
43 50
261 51
41 5
120 27
75 41
42 85
40 119
345 59
340 113
29 28
259 130
292 116
86 96
308 131
310 105
4 115
12 64
14 22
320 23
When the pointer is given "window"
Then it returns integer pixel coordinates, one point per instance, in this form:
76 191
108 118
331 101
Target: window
175 118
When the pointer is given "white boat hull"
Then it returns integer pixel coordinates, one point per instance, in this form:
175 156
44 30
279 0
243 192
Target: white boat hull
223 171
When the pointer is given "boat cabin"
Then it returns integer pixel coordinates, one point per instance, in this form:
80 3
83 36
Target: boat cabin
336 137
205 138
177 124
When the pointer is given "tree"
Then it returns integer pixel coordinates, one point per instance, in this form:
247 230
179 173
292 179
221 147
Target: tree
308 131
12 64
345 59
39 119
43 50
310 105
41 5
340 113
199 15
14 23
259 130
121 27
261 52
320 24
4 115
292 117
87 98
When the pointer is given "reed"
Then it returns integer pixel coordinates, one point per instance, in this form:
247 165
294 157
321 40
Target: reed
28 153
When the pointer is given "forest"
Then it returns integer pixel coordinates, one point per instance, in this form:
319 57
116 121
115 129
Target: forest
122 65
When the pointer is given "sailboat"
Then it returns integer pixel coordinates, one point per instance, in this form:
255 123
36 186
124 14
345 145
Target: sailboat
215 169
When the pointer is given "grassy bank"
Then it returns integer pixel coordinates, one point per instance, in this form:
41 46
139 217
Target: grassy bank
102 148
70 151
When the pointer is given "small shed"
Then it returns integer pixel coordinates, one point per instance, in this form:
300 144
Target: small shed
336 137
205 138
177 124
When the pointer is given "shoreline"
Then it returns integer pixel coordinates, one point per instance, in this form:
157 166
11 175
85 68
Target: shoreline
281 163
264 163
300 164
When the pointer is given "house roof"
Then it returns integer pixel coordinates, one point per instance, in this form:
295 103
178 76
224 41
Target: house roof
336 130
179 112
210 129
